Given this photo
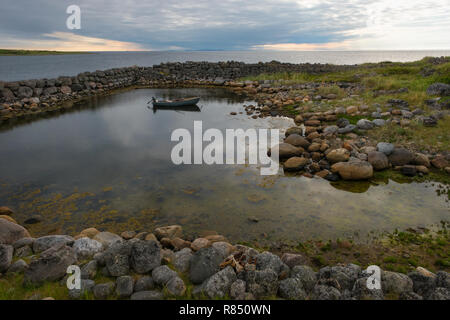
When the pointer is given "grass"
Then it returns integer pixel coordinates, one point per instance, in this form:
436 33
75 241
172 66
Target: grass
12 288
19 52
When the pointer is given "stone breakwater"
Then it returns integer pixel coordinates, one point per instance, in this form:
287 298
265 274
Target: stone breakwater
158 265
34 96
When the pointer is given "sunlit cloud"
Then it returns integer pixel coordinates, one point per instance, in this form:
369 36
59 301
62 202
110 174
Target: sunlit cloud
66 41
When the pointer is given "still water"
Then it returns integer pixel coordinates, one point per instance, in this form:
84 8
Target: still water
107 164
13 68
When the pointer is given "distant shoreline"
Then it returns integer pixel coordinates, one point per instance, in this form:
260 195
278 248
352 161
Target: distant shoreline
20 52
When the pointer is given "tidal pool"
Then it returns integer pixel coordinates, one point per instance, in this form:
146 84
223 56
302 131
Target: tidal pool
106 163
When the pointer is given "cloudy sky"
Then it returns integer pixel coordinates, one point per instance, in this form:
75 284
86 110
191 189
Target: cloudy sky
227 25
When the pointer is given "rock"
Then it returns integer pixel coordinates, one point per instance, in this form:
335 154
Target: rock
429 121
144 283
409 170
378 160
443 279
396 283
365 124
86 286
169 232
237 290
11 232
297 141
35 218
51 265
224 248
17 267
147 295
421 160
23 252
288 151
162 275
293 259
351 109
362 292
322 292
23 242
6 211
262 283
43 243
292 289
268 260
331 130
440 294
117 258
353 170
400 157
176 287
6 255
342 122
181 259
124 286
104 290
200 243
145 256
107 238
149 236
379 122
89 232
306 275
219 284
127 235
295 164
338 155
422 169
342 277
386 148
204 263
8 218
440 162
298 119
439 89
424 281
347 129
410 296
89 270
178 243
86 248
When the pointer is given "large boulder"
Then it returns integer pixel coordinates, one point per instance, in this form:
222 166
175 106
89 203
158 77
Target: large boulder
439 89
51 265
6 255
169 232
286 150
145 256
44 243
292 289
219 284
268 260
424 281
385 147
353 170
117 258
124 286
401 157
293 259
107 238
11 232
181 259
86 248
340 276
295 164
396 283
324 292
306 275
262 283
365 124
176 287
204 263
162 275
297 141
378 160
338 155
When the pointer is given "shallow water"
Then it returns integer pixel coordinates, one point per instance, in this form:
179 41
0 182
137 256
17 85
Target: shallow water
108 165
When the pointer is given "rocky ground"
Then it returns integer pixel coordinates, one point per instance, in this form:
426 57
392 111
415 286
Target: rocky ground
162 265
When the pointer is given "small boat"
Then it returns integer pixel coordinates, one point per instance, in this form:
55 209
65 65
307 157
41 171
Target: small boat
175 103
192 108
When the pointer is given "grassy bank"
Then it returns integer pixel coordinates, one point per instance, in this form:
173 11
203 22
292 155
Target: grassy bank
18 52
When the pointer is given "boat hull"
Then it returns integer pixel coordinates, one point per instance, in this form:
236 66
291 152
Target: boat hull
173 104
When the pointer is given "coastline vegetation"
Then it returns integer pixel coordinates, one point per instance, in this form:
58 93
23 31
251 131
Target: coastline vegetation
20 52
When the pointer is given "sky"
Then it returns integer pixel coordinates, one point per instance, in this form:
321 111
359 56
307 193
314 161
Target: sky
135 25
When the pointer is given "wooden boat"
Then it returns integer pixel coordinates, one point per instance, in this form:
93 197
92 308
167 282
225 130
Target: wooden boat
191 108
175 103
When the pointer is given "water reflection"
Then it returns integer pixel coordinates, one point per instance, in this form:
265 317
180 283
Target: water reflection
107 164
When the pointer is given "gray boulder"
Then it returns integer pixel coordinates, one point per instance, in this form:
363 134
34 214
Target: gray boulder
18 267
204 263
237 290
443 279
11 232
117 258
145 256
439 89
51 265
6 255
365 124
107 238
292 289
306 275
262 283
162 275
360 291
104 290
86 248
347 129
378 160
379 122
124 286
176 287
268 260
144 283
86 286
181 259
44 243
89 270
396 283
341 277
385 147
401 157
323 292
424 283
219 284
440 294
